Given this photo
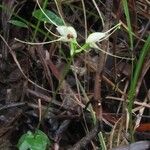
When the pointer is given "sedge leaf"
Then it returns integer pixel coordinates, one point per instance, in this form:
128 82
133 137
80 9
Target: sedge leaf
18 23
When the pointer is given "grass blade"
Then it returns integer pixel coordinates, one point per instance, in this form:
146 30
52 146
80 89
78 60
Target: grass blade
132 91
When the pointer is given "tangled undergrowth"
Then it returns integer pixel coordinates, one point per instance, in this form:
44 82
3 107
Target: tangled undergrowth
74 74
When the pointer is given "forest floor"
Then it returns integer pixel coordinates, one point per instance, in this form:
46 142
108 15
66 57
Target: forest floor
97 98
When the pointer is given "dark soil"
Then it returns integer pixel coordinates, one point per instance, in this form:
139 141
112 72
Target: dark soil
33 85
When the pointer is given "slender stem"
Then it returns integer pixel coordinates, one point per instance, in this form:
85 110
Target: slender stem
38 24
60 83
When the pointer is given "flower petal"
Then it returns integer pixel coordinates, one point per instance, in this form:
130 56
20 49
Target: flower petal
95 37
61 30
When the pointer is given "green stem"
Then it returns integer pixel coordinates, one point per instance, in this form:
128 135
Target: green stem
38 24
83 48
66 69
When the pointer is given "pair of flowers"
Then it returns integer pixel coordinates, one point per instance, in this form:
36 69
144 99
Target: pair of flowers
69 34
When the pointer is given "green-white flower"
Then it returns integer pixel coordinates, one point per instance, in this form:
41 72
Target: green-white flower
96 37
67 33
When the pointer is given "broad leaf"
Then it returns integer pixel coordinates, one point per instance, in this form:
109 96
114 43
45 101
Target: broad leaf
33 141
52 16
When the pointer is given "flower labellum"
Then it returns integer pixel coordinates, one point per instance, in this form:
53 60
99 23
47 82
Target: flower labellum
67 33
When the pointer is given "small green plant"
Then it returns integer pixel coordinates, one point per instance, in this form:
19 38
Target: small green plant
68 34
33 141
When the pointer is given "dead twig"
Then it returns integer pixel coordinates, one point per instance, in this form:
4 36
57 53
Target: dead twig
87 139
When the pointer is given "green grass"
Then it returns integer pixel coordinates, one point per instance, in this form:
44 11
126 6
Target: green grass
137 69
132 91
126 11
127 15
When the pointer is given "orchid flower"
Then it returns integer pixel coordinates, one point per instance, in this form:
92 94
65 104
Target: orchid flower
68 33
95 37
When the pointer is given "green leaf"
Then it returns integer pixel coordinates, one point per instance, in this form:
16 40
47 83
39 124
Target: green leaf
126 11
33 141
18 23
132 90
52 16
